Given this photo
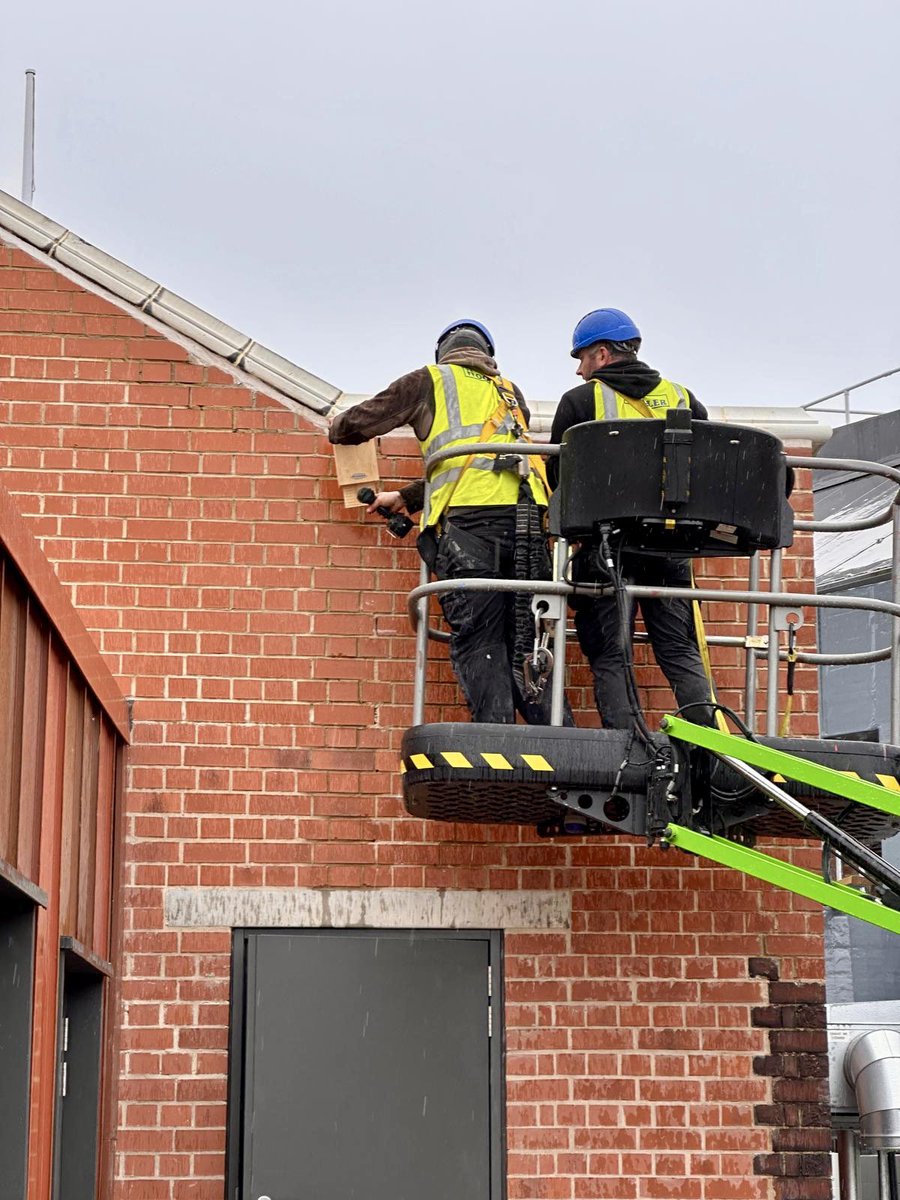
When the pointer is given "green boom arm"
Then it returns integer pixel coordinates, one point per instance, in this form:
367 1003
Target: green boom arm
784 875
764 866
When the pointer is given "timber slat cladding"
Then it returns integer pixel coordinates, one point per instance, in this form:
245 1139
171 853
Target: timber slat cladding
71 810
87 822
78 733
13 616
34 729
101 876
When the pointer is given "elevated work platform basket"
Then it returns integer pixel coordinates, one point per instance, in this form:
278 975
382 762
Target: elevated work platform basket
536 776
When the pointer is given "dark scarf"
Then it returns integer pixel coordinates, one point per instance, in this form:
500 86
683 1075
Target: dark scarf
468 356
632 378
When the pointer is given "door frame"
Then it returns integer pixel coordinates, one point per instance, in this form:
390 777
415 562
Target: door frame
237 1039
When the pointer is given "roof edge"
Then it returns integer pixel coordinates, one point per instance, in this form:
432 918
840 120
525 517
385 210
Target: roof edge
171 310
787 424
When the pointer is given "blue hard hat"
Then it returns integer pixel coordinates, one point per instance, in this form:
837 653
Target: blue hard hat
603 325
466 323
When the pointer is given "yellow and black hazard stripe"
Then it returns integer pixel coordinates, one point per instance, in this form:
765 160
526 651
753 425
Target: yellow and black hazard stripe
455 759
536 765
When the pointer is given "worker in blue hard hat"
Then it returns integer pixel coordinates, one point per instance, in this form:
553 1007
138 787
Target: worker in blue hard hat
618 385
484 513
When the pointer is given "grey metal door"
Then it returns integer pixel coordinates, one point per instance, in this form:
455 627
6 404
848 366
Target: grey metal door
365 1066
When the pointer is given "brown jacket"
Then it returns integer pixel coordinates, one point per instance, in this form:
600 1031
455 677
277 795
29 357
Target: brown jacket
409 400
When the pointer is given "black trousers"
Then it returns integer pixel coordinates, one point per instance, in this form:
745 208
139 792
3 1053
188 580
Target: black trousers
482 624
670 626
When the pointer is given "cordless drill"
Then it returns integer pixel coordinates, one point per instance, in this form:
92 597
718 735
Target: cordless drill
398 525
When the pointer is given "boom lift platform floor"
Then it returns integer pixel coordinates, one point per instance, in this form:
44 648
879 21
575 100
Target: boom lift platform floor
539 776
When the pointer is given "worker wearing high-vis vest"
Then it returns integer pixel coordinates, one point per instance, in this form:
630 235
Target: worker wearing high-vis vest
618 386
475 503
467 406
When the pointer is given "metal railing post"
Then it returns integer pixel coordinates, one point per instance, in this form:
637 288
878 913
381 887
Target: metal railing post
749 651
421 670
843 395
558 679
418 713
772 675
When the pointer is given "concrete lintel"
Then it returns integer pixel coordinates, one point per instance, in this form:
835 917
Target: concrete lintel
366 908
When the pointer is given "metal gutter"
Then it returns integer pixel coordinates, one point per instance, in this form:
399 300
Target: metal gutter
172 310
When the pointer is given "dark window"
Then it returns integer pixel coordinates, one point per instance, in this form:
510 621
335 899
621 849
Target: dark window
17 922
79 1053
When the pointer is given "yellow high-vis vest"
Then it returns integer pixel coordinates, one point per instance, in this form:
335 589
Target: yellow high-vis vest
610 405
464 400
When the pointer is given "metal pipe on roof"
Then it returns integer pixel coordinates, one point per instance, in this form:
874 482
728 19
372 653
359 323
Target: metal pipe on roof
28 140
872 1068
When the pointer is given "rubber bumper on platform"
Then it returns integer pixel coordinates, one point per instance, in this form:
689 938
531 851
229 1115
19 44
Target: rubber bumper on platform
530 775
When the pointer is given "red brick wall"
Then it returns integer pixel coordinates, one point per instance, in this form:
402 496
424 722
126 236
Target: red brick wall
261 630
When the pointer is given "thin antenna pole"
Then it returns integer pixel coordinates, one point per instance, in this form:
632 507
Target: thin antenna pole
28 145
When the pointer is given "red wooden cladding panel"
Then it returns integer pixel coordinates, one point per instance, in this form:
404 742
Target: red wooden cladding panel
25 741
71 808
13 616
109 926
43 1053
34 724
91 743
103 868
87 824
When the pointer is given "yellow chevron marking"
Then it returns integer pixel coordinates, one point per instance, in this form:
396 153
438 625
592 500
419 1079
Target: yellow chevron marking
402 767
852 774
453 758
422 762
889 782
537 762
496 762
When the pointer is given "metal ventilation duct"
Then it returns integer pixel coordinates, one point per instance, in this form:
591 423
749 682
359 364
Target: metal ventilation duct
872 1068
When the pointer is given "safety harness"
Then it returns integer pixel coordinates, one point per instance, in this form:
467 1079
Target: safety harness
532 661
507 416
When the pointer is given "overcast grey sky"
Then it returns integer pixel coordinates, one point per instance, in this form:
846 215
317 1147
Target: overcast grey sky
340 179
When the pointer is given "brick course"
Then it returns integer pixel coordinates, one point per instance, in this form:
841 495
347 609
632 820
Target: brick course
260 629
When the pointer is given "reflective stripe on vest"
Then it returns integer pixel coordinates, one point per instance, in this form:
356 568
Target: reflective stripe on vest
464 400
610 405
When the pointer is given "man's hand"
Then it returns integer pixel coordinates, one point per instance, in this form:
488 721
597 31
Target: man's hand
392 501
